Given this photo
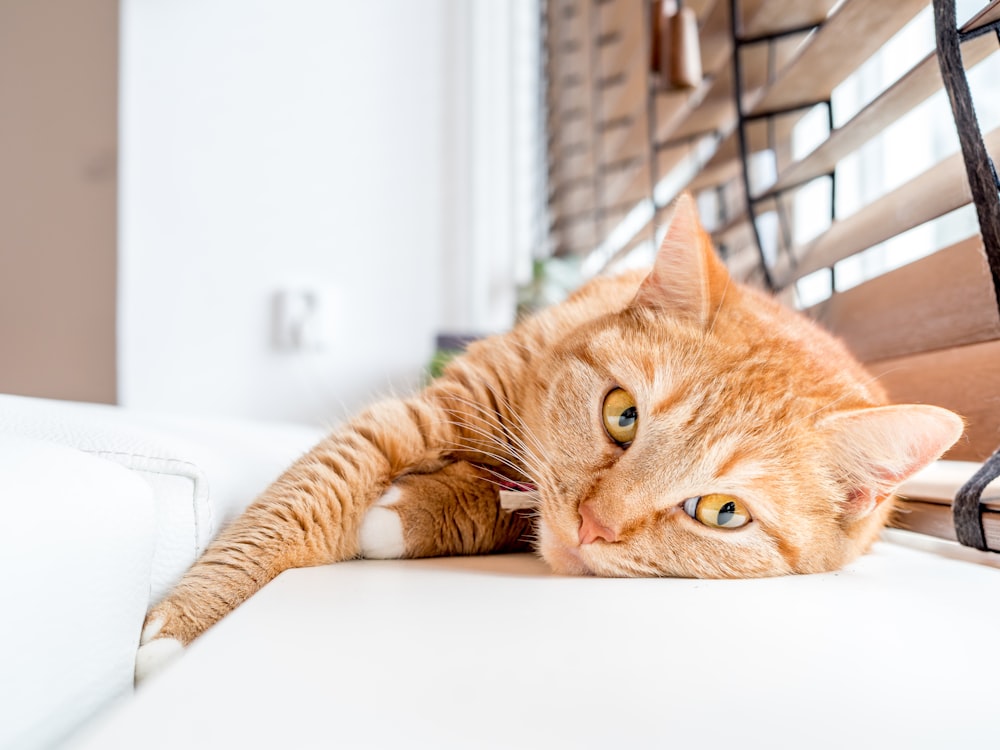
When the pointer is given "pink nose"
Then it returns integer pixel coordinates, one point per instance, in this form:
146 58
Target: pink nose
591 529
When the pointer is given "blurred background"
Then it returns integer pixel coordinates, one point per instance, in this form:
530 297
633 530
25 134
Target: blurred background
260 209
283 210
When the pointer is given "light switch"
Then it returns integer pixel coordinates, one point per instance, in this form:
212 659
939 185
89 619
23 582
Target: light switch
302 319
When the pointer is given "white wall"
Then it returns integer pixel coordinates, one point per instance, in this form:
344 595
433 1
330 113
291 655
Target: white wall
267 144
378 150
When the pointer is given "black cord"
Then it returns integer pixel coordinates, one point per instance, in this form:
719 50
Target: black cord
966 511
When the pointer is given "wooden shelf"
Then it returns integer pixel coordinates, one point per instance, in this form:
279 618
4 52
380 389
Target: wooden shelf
941 481
936 520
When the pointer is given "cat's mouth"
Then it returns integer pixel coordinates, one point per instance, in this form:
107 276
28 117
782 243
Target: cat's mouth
564 559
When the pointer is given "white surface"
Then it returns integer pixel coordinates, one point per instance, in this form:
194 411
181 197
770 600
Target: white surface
76 545
497 652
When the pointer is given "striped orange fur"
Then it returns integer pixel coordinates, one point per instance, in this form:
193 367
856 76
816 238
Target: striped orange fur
734 397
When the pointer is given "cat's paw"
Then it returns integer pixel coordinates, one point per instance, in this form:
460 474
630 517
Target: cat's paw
381 535
452 511
154 653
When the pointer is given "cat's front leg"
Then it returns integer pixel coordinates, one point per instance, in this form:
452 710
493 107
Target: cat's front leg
453 511
310 516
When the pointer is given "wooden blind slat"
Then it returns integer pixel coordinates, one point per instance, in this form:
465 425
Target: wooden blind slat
774 17
572 183
910 310
989 14
622 66
852 33
673 107
940 189
701 8
725 165
710 107
963 379
623 22
918 84
914 87
579 236
632 184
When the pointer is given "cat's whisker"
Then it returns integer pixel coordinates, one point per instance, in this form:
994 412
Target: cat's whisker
490 414
489 439
525 430
481 447
515 447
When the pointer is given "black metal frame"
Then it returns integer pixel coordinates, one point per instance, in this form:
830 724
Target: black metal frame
752 200
985 188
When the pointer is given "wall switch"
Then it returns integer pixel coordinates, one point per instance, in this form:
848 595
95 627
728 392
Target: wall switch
302 319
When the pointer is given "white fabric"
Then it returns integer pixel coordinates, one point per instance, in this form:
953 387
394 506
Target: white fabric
103 510
76 545
203 472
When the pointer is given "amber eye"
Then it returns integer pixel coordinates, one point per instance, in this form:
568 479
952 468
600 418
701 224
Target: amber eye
621 418
718 511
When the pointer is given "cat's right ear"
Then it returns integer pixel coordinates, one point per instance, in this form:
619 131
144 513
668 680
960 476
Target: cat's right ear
688 279
878 448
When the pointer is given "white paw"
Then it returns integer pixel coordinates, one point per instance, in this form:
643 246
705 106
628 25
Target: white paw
151 630
153 656
381 530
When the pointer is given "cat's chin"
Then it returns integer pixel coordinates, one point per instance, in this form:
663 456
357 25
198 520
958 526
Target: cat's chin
563 559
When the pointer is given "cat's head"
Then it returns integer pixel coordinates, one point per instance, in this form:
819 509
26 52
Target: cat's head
704 430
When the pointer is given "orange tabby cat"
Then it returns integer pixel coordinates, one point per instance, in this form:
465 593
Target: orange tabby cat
675 424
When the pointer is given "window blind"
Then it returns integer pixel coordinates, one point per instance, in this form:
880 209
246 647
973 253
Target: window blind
623 142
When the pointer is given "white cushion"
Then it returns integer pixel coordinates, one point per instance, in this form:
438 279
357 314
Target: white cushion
76 545
203 472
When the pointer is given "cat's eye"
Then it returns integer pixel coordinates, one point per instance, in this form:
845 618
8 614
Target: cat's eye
718 511
621 417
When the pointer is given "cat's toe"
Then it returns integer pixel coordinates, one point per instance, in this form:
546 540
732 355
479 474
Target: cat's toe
154 655
381 535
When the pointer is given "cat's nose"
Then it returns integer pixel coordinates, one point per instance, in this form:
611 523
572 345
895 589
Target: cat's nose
591 529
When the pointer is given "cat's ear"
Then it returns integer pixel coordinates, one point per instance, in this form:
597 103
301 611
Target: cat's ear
687 279
877 449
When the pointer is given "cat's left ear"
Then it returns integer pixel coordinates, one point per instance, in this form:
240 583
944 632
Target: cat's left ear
688 279
877 449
